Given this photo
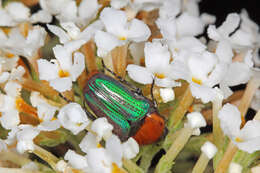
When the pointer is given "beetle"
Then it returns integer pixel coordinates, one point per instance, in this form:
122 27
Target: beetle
124 106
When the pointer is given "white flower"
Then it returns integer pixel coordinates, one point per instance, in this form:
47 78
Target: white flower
75 160
167 94
196 120
202 71
72 32
45 113
25 138
68 11
130 148
209 149
157 62
102 128
88 142
73 118
13 14
62 71
241 38
8 107
235 168
17 44
104 159
247 138
119 31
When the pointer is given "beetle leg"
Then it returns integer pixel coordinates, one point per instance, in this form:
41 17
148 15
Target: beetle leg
136 89
67 100
154 101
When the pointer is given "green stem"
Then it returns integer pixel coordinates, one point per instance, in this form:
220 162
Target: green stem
201 164
131 167
166 162
17 170
183 106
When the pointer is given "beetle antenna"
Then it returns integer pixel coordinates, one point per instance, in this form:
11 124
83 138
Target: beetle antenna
154 101
136 89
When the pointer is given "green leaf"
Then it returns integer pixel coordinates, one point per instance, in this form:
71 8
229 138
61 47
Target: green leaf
3 132
51 139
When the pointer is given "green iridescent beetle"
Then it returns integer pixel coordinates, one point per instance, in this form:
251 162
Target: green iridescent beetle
130 113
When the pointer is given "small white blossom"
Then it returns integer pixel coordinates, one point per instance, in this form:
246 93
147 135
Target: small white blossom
17 44
209 149
25 138
130 148
235 168
196 120
157 62
247 138
102 128
75 160
119 31
167 94
3 146
88 142
10 113
45 113
62 71
73 118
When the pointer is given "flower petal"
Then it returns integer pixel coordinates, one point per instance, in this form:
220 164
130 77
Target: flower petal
78 66
139 74
61 84
138 31
47 70
230 120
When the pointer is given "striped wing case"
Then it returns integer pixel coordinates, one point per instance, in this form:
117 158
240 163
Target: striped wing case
124 109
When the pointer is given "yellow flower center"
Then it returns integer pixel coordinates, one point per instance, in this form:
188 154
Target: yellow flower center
122 38
6 30
160 75
63 73
99 145
239 139
9 55
116 169
196 80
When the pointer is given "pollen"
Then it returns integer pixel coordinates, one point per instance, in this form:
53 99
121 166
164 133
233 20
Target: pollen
9 55
63 73
197 81
22 106
99 145
116 169
6 30
239 139
122 38
160 75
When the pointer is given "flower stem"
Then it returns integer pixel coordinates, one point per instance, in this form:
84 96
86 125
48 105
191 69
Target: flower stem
218 135
184 104
131 167
251 88
13 157
18 170
227 158
46 156
201 164
166 161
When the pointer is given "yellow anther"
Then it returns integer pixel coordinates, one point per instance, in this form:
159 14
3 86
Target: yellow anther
197 81
122 38
63 73
239 139
116 169
160 75
9 55
99 145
